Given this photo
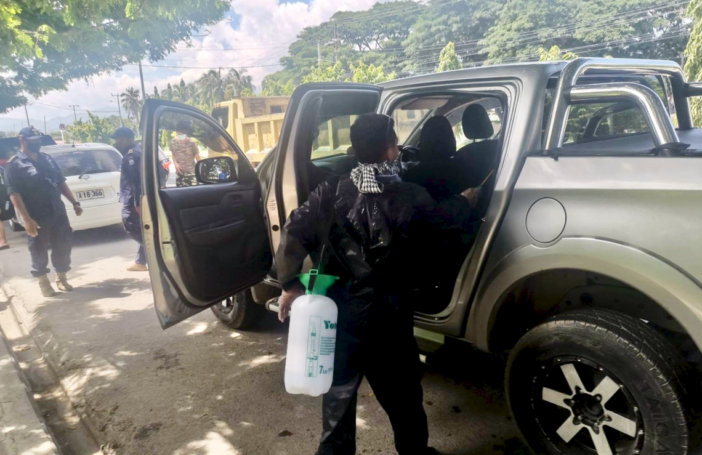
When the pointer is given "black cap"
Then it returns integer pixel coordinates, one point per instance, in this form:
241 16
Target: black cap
122 131
29 132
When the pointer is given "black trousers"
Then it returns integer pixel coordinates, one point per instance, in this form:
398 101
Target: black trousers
391 364
132 224
56 235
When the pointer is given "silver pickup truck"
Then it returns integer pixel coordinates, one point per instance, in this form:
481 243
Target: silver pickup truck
587 268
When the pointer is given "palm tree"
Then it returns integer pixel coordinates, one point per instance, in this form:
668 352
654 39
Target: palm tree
131 101
211 88
235 82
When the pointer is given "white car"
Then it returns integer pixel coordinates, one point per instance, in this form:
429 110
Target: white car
92 173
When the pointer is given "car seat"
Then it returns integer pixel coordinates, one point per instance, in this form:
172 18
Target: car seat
480 157
437 172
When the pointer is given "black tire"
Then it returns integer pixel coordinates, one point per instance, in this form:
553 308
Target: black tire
240 311
16 226
646 382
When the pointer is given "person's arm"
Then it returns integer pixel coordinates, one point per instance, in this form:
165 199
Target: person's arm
30 225
173 157
197 151
68 194
135 177
299 238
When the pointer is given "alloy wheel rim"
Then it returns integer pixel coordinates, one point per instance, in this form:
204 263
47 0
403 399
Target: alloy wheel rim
226 305
582 408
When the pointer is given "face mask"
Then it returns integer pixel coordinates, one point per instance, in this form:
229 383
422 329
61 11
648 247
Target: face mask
34 147
181 136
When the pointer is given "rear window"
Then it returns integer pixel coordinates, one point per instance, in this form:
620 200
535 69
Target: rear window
88 161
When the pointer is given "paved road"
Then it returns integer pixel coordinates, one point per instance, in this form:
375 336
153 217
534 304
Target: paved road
202 389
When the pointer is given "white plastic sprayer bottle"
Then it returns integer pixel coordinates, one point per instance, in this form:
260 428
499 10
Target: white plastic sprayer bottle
309 365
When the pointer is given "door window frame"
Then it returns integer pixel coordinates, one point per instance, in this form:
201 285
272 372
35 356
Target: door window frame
160 235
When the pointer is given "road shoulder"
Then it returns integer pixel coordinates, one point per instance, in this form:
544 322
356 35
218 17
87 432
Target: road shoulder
23 429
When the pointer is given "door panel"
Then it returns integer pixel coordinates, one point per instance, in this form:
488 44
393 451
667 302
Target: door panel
204 242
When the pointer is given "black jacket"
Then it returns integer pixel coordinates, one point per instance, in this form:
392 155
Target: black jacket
377 242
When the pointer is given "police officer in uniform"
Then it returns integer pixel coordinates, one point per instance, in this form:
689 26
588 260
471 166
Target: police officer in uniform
130 191
35 184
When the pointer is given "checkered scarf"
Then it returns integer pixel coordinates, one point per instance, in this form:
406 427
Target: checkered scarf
363 175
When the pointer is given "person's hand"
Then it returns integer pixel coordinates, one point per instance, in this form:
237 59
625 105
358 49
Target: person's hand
177 167
31 227
286 300
78 209
473 196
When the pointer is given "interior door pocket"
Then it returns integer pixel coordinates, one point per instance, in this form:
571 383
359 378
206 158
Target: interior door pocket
216 233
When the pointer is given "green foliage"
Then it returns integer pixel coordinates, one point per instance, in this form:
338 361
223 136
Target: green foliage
693 56
326 73
448 60
131 102
463 22
554 54
273 87
523 26
370 74
47 44
97 129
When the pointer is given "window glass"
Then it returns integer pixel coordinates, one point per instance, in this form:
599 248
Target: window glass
184 140
78 162
406 120
588 122
333 137
221 114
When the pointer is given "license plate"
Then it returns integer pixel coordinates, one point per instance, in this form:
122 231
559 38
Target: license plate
90 194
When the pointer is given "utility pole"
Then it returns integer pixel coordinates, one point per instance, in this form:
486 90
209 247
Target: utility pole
45 124
27 114
119 108
319 54
74 106
334 42
141 76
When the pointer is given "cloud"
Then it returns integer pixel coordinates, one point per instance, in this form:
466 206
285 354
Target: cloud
260 31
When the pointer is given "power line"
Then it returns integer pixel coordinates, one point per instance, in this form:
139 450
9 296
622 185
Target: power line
207 67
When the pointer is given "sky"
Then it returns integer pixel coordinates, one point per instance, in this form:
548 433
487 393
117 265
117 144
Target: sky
258 32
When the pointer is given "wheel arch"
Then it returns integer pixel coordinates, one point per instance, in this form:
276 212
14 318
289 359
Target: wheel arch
676 295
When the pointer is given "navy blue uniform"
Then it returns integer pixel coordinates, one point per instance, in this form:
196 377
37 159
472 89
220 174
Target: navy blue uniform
130 195
39 183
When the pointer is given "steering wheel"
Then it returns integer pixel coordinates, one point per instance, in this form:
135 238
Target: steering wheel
409 153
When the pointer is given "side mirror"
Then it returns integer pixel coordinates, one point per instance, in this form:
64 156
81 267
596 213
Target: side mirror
220 169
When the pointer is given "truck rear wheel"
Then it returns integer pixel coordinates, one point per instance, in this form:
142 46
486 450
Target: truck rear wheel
240 311
598 382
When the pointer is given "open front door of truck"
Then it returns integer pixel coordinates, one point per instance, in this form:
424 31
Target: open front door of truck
204 242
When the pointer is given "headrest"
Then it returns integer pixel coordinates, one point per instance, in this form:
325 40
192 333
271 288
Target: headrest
476 122
436 140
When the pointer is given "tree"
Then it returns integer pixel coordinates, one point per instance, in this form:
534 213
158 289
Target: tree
554 54
131 102
693 57
448 60
370 74
236 83
97 129
463 22
326 73
272 87
45 44
633 28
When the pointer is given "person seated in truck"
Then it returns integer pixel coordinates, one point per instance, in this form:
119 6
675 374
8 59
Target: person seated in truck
437 171
378 231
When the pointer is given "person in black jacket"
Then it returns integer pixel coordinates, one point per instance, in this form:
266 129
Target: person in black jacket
381 232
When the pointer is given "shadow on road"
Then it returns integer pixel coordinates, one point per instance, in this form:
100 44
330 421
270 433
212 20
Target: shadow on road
98 236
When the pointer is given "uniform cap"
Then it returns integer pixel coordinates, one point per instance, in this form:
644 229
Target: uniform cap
29 132
122 131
